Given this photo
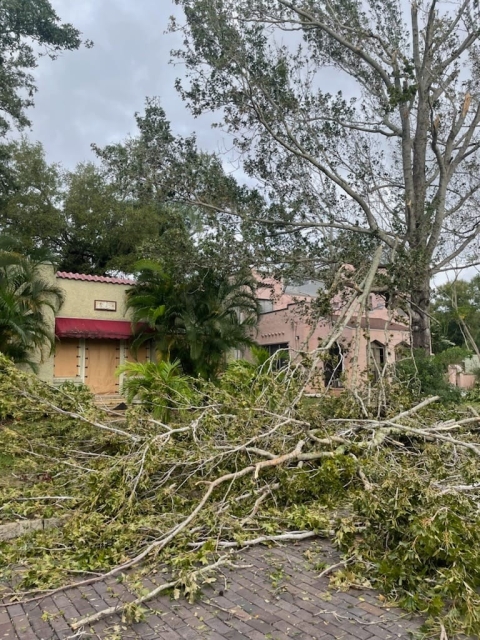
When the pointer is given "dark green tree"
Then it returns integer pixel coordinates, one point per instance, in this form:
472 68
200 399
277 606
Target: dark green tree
398 163
102 232
28 29
77 216
456 310
32 212
189 188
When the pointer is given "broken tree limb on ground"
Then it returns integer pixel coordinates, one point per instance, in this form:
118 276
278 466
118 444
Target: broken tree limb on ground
224 561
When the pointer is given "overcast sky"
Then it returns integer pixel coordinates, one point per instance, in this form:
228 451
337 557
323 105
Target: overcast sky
91 95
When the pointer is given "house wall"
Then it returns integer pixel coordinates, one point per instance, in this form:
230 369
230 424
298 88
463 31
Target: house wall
84 359
289 325
80 299
459 378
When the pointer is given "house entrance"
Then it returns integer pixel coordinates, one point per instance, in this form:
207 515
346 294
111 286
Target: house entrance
102 357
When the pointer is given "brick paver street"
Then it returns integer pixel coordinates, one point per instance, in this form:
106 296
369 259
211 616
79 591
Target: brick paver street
278 597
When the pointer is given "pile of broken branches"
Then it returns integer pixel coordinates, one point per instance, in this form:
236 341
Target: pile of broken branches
250 461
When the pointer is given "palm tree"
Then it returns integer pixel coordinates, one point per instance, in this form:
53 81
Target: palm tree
159 385
25 298
198 320
220 315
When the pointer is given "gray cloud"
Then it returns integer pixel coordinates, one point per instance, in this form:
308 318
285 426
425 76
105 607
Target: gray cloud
91 95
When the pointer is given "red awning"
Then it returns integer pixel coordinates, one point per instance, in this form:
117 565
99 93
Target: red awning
86 328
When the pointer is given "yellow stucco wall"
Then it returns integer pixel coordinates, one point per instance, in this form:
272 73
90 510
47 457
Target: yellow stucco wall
80 299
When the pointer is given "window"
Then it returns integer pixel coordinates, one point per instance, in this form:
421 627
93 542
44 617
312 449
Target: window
377 359
333 368
266 305
281 352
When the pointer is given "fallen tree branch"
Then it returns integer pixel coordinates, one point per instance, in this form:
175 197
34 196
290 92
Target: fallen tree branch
104 613
78 416
415 409
263 496
460 488
158 545
293 536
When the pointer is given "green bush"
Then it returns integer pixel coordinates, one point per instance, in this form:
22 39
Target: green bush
427 375
159 385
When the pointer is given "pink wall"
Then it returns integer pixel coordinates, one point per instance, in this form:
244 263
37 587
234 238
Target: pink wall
459 378
287 324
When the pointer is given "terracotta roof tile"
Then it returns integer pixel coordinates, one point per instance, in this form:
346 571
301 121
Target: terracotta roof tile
65 275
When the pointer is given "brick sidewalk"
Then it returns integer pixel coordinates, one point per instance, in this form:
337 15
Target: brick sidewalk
278 597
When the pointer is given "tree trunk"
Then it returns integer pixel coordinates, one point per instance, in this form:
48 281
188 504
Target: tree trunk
420 304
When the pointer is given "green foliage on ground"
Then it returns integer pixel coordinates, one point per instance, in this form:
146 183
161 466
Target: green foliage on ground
388 490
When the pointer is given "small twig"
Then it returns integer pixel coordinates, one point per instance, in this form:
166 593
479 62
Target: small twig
333 567
366 482
263 496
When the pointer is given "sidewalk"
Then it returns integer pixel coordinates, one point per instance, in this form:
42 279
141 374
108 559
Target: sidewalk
278 597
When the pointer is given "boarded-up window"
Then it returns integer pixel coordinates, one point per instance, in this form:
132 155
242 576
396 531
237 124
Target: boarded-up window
67 358
102 358
142 354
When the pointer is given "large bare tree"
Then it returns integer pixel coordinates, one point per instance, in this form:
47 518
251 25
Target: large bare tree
395 156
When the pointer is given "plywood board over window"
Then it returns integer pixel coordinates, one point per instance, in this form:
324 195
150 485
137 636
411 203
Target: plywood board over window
142 354
67 358
102 358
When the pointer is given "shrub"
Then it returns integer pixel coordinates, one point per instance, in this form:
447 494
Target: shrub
159 385
426 375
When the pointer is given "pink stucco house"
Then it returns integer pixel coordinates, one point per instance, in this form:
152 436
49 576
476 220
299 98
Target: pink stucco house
366 344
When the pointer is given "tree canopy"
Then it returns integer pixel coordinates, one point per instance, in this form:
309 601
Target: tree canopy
456 309
29 29
77 216
143 199
398 162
